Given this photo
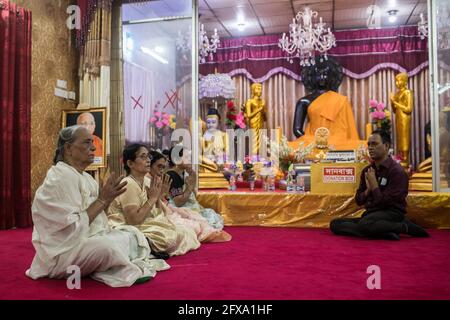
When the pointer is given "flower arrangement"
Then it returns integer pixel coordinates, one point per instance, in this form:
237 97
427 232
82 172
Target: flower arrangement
235 117
162 120
380 115
286 154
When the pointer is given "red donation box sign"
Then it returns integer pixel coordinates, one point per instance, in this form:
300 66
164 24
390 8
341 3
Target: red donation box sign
339 175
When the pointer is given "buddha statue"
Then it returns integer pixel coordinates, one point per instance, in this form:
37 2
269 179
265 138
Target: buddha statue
255 113
422 180
402 105
214 141
324 107
213 144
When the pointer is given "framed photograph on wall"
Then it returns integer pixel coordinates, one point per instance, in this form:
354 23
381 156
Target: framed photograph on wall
95 121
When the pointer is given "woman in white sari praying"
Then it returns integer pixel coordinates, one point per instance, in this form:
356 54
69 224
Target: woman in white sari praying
138 207
71 227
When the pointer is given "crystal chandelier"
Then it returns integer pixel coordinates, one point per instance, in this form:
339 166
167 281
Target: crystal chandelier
307 37
206 46
422 27
443 28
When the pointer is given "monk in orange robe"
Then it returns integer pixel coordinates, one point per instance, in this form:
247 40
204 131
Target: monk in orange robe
87 120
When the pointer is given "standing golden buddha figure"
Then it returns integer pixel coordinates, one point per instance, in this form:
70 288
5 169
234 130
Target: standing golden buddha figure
255 113
402 105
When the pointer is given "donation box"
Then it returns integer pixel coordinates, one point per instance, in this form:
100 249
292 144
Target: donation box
337 178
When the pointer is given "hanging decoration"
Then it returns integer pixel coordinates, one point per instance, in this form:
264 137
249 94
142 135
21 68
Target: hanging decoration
206 47
307 37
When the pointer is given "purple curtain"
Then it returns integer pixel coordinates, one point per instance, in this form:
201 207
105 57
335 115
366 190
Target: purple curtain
15 116
360 52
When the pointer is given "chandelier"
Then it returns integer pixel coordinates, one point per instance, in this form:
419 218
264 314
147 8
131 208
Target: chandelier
422 27
307 37
207 47
443 28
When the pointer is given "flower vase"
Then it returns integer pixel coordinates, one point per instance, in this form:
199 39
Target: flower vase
167 133
159 138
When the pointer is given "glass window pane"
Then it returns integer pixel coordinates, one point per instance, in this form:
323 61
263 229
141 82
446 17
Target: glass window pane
156 9
157 79
443 99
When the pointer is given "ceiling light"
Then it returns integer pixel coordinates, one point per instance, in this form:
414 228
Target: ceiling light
154 55
159 49
392 15
241 26
307 36
392 3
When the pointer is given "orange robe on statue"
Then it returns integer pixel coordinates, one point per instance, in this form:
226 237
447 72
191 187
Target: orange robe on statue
333 111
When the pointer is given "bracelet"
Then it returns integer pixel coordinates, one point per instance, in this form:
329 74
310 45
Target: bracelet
103 202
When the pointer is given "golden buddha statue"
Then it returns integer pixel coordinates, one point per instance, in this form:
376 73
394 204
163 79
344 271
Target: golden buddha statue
422 180
324 107
255 113
402 105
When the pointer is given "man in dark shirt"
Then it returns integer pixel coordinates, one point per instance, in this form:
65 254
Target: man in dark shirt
383 190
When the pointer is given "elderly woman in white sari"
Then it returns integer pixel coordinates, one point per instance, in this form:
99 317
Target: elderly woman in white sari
71 227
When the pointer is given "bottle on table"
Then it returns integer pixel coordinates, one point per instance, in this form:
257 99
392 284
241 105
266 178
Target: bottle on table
233 183
300 184
290 187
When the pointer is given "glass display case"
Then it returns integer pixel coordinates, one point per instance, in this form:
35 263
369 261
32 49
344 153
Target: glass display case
158 41
440 92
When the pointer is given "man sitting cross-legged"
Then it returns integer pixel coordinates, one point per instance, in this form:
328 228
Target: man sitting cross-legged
383 190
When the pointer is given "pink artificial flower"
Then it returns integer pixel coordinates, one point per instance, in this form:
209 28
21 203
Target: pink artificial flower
380 106
373 103
374 115
165 122
159 125
378 115
166 116
157 114
153 120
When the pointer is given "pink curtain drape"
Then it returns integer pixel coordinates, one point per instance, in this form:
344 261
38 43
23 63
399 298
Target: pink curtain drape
15 116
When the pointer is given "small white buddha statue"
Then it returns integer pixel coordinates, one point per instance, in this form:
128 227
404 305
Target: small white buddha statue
214 140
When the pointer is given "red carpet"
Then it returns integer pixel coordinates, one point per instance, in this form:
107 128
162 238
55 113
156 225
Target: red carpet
260 263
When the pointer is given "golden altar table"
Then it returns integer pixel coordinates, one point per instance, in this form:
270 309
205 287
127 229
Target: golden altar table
281 209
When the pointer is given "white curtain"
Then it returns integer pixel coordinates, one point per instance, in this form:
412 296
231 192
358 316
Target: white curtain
139 98
282 93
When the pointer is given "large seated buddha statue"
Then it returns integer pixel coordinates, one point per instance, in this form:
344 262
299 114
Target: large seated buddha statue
325 108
